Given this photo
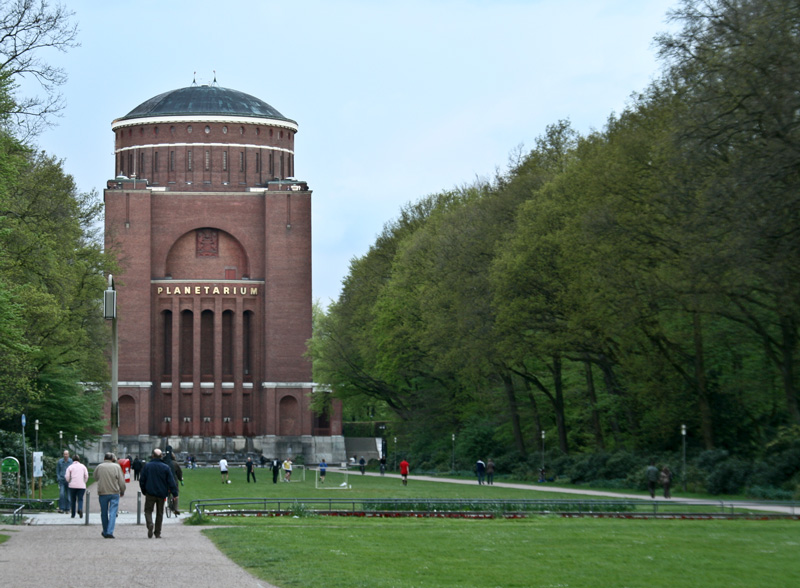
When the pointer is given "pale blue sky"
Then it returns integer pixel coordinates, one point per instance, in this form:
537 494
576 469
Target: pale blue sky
394 100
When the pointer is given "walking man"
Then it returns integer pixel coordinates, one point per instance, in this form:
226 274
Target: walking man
110 487
652 478
63 488
136 466
480 469
276 469
250 470
157 483
404 471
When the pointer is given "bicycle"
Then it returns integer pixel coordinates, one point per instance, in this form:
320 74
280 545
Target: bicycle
169 507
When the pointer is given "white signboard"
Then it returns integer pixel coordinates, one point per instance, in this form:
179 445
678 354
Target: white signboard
37 464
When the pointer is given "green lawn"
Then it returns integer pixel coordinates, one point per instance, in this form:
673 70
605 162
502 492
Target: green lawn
541 551
206 483
547 551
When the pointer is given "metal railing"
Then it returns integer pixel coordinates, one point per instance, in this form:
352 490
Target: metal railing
16 507
508 507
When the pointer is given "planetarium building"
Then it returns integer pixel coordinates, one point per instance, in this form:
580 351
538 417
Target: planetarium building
213 237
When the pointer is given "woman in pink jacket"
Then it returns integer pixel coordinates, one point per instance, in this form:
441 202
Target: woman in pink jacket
77 475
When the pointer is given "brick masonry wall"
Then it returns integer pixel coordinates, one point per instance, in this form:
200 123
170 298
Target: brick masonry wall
237 158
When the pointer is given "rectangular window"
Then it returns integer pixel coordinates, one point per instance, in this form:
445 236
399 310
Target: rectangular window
121 164
208 161
189 160
130 163
241 161
224 161
258 162
141 162
155 161
171 161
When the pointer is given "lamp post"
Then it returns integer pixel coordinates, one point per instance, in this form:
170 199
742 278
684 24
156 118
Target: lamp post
25 458
543 449
36 428
61 442
683 434
454 453
110 313
395 455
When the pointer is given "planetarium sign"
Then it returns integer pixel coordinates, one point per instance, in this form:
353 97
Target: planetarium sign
212 289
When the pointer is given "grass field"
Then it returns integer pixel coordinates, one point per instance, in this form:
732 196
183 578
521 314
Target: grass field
206 483
543 551
537 552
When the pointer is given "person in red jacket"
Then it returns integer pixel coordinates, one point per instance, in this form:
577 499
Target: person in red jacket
404 472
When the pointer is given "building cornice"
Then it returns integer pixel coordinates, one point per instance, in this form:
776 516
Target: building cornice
183 119
185 144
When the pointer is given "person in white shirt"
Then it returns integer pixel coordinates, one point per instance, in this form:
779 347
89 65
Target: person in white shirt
223 469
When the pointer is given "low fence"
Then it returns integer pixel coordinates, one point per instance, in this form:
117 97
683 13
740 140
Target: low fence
16 507
467 508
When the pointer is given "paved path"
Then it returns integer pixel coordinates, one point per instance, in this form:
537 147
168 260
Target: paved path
74 555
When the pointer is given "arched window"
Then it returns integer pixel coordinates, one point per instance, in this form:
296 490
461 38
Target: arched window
166 339
207 345
247 346
227 345
187 345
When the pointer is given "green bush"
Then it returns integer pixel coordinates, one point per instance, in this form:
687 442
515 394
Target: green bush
769 493
729 476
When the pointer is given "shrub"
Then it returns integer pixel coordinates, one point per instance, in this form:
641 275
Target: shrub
769 493
728 477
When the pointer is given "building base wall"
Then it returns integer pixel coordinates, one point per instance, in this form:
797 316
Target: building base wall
209 450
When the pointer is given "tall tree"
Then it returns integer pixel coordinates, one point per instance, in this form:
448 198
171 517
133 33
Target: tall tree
28 28
735 65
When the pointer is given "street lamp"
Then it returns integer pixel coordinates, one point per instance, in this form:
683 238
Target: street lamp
36 428
454 453
395 454
25 458
683 434
110 313
543 452
61 442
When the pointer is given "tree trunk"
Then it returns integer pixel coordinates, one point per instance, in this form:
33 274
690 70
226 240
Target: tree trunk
508 384
599 442
537 419
788 348
558 405
613 389
706 425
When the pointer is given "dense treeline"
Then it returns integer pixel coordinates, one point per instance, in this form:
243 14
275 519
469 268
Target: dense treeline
52 334
606 288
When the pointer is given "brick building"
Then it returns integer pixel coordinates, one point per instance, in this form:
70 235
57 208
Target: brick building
213 236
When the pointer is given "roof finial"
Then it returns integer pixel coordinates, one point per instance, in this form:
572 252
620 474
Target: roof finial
215 76
194 79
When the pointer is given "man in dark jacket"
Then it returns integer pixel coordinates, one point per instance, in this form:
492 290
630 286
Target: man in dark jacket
157 482
137 466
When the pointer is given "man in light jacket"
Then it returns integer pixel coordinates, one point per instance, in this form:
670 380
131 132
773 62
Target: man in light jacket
110 487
